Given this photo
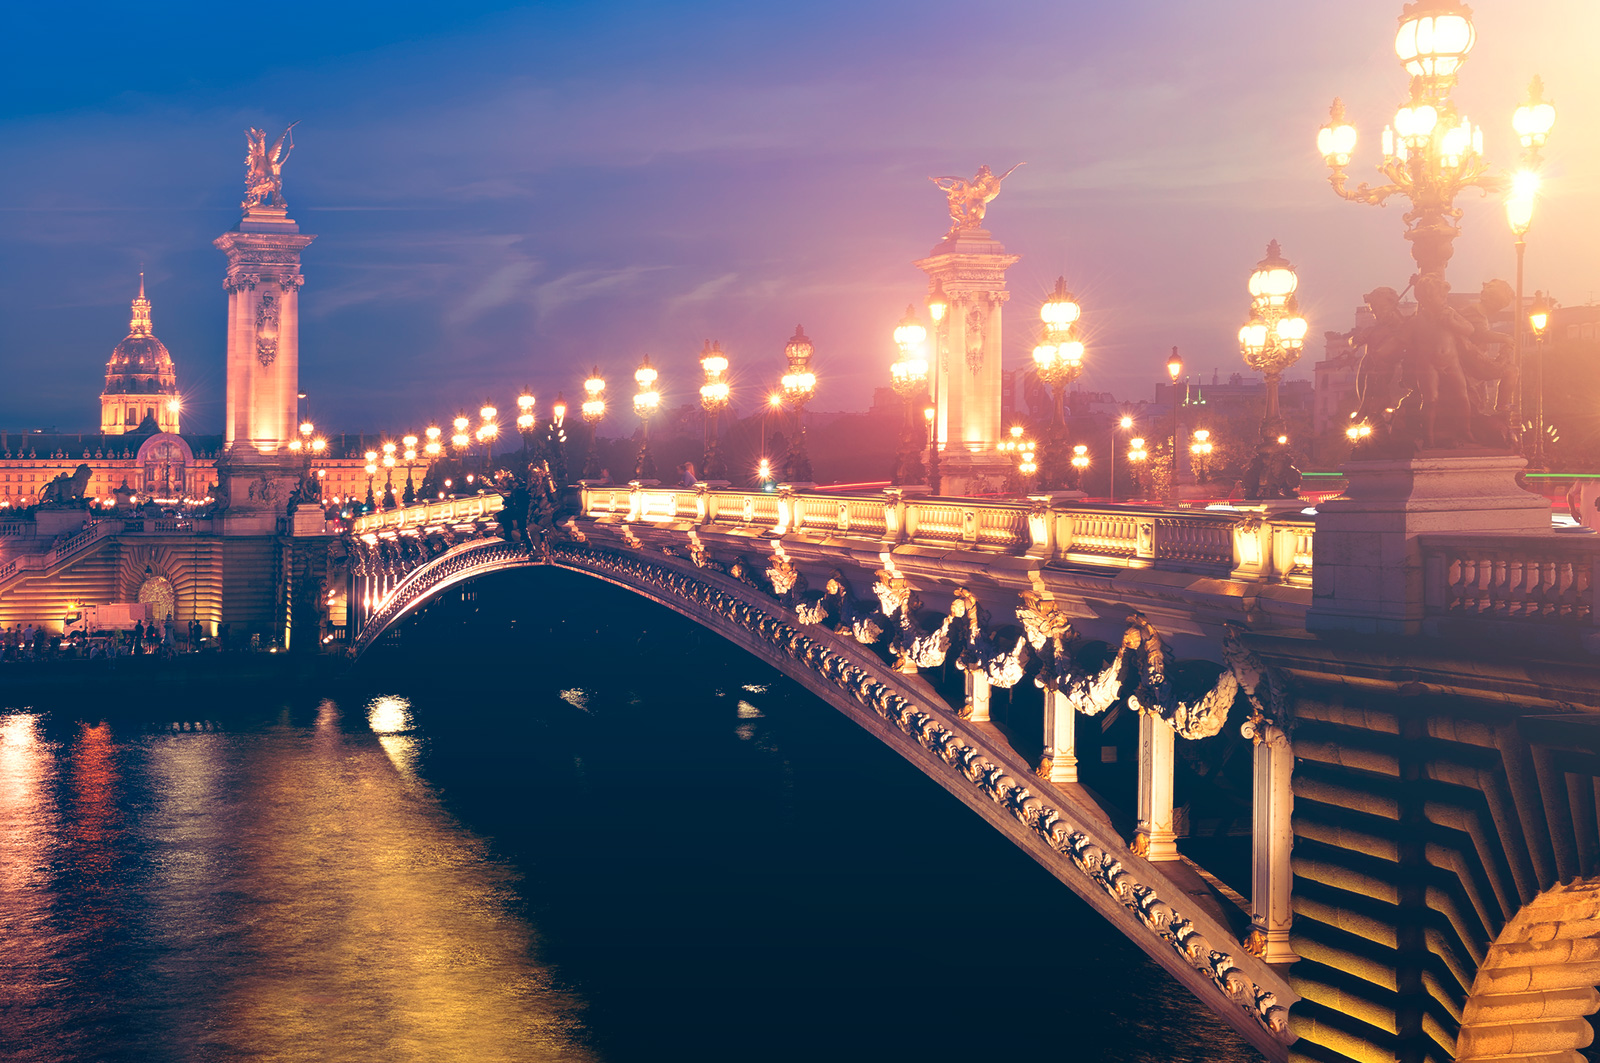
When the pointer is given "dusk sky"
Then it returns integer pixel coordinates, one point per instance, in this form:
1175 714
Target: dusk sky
507 195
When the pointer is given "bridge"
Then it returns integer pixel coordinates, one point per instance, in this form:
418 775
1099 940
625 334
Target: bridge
1423 807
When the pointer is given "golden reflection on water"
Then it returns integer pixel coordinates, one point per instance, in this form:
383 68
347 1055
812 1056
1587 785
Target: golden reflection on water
379 930
390 719
29 821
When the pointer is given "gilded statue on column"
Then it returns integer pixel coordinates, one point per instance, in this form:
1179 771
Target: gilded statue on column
263 180
970 199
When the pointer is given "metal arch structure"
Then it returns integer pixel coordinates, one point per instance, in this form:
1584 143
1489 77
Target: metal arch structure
1059 827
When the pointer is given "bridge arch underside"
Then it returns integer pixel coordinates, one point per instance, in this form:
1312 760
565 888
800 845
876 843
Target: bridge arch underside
1060 827
1446 842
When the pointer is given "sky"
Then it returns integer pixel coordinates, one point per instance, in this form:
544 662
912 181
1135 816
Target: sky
504 196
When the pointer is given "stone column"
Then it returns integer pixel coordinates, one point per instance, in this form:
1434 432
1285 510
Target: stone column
978 696
971 266
1061 736
1155 838
263 285
1271 879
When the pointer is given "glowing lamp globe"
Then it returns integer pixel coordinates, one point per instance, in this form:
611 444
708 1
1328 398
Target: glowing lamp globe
1535 118
938 303
1274 279
595 384
909 333
1336 141
1291 332
1434 38
1061 309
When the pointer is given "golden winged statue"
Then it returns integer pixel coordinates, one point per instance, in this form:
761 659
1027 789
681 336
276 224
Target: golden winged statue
263 178
969 199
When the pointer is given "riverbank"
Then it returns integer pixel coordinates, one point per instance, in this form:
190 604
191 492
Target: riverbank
155 674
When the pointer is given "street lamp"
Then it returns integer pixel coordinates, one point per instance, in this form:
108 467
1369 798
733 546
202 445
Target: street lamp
1080 464
1137 454
1431 154
557 453
938 310
388 474
410 443
488 429
1271 341
799 383
1539 323
1200 449
1174 371
1123 423
1058 359
713 399
372 470
645 403
909 376
594 408
525 423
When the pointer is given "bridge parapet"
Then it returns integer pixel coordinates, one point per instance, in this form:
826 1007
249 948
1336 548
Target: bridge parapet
1234 544
1531 580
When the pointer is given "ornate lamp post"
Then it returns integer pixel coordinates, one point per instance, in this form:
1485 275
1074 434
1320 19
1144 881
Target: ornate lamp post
713 399
938 309
1174 371
372 470
526 422
594 408
1123 423
1539 322
909 375
558 440
1080 463
1137 454
799 384
1200 450
1059 361
488 429
1271 342
432 448
1431 153
410 443
388 475
645 403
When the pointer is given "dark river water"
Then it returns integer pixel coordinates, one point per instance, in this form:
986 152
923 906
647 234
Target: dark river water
552 823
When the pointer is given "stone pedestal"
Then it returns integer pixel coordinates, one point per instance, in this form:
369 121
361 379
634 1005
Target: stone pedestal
965 347
1367 573
262 417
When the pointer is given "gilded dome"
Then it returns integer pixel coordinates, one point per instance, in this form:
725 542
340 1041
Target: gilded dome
141 364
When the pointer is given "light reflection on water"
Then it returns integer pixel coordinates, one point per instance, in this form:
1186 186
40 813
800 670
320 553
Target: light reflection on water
284 893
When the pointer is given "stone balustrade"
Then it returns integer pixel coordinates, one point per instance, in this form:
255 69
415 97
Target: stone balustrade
1218 543
1535 577
452 511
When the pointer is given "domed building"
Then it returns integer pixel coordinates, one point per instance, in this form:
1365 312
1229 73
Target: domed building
141 381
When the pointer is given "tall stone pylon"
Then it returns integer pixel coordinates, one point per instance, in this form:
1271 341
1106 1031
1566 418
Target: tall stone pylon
968 267
259 472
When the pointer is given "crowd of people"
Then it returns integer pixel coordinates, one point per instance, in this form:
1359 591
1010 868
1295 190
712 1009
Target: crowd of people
32 642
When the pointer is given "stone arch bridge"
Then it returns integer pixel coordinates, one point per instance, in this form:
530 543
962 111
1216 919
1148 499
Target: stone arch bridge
1424 865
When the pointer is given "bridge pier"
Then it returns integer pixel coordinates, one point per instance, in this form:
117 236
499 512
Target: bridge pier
1156 840
978 696
1272 835
1060 736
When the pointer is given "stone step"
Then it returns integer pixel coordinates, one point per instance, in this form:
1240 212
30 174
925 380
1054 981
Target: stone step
1518 954
1537 1004
1523 978
1523 1039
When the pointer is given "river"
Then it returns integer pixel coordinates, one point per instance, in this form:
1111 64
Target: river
554 823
